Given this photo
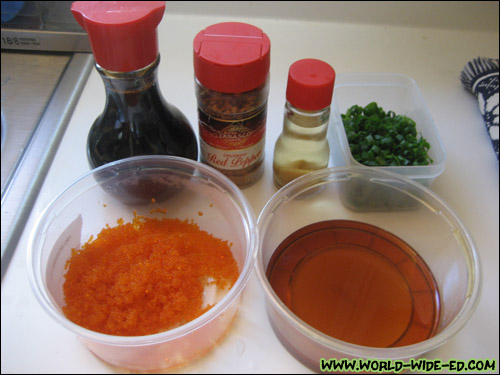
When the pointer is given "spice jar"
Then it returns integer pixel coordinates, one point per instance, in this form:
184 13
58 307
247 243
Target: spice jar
302 147
231 65
136 119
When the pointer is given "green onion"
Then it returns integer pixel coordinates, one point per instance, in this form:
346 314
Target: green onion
377 138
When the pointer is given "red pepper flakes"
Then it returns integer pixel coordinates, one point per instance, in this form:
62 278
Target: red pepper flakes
145 277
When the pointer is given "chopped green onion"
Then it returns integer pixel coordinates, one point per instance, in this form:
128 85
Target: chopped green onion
377 138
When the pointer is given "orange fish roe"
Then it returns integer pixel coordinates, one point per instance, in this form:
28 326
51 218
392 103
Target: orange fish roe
158 210
145 277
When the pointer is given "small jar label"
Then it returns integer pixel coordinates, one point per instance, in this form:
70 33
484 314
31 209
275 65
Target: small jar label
231 159
232 145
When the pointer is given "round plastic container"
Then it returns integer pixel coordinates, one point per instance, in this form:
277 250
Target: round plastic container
430 228
186 190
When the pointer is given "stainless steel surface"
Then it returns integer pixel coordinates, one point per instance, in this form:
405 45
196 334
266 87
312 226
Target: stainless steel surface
39 93
45 40
28 81
42 26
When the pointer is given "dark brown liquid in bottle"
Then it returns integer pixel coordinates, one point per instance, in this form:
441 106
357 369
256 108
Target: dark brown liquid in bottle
357 283
140 123
137 120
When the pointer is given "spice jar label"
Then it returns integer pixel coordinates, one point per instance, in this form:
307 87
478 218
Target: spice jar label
232 159
232 145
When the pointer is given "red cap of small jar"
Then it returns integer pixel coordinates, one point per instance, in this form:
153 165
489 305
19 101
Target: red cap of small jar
122 33
310 84
231 57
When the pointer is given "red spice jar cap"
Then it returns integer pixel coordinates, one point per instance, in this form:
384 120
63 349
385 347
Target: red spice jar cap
122 33
310 84
231 57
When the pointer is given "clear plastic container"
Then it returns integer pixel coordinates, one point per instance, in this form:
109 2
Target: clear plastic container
395 92
191 191
431 229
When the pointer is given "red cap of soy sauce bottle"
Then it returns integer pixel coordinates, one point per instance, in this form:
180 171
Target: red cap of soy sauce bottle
122 33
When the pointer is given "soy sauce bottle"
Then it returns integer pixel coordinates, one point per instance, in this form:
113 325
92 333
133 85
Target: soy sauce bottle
136 119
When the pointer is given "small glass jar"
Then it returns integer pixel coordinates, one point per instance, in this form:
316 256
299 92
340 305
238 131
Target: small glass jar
231 63
302 147
232 132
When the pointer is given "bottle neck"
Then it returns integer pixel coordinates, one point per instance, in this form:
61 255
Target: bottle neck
306 119
130 82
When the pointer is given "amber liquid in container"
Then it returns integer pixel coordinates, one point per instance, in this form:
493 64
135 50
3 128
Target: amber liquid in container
357 283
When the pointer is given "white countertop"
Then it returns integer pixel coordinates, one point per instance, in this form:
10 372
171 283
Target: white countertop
434 57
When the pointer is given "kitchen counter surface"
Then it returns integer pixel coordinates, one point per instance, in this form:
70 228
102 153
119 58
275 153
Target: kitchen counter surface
432 55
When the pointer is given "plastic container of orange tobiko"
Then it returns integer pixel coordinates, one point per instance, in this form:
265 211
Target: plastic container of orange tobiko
197 193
